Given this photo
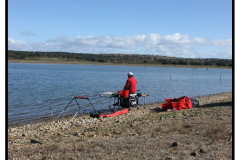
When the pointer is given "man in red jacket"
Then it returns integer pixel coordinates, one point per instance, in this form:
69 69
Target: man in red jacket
131 83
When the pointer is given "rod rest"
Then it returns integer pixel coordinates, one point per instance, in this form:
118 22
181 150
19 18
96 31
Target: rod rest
80 97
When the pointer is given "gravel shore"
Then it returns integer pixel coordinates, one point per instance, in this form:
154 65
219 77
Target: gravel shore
203 132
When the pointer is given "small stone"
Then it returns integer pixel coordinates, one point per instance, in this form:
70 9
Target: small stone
133 125
230 139
193 154
168 158
35 141
203 150
174 144
44 157
91 133
83 133
76 134
23 135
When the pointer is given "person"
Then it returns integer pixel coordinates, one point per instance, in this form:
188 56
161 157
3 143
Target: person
131 83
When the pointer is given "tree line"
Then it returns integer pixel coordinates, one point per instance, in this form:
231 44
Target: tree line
117 58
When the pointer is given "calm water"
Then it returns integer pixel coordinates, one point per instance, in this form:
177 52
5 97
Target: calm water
33 88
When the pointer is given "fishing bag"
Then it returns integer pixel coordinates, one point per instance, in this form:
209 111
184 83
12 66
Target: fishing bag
195 103
186 102
178 103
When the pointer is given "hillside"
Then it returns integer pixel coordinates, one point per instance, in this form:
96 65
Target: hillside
113 59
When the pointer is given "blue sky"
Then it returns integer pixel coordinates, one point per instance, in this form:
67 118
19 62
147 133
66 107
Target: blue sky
187 28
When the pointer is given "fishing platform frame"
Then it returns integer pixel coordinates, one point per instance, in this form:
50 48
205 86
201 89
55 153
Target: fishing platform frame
132 100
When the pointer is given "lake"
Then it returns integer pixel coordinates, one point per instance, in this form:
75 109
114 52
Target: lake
34 89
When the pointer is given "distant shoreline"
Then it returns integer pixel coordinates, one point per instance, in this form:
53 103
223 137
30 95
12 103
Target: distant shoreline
118 64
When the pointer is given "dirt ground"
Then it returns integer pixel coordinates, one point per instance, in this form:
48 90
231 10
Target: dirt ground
203 132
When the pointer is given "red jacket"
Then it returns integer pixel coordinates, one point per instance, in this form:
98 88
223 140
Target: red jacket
131 84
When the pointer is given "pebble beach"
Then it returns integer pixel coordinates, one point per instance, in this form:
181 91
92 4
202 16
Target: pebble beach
145 132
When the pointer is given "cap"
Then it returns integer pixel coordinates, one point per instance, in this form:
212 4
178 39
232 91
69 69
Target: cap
130 74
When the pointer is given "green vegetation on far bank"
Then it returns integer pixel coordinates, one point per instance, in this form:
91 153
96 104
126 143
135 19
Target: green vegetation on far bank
115 59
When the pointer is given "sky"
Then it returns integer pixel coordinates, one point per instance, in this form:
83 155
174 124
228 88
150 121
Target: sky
186 28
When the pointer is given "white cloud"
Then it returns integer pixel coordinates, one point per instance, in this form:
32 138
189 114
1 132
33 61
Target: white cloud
169 45
27 33
220 42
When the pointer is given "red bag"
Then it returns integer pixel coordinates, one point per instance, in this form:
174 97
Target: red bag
185 101
188 102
